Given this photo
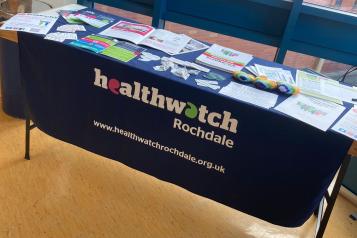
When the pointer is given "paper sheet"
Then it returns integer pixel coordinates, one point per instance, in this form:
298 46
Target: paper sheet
313 111
250 95
348 124
30 22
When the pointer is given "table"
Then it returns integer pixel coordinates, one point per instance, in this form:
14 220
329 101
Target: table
278 168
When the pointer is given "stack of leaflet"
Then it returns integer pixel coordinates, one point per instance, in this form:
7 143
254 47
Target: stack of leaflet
273 73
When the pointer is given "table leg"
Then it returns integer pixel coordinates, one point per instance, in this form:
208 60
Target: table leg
28 128
331 199
27 136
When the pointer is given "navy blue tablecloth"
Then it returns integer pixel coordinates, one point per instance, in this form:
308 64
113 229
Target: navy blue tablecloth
277 168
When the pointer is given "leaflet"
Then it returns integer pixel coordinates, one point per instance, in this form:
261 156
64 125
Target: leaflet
348 124
30 22
317 86
250 95
313 111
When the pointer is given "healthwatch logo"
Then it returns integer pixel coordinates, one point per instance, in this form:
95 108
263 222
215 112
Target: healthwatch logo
152 97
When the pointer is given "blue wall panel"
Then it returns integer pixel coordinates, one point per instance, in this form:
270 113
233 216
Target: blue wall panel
326 33
247 15
317 31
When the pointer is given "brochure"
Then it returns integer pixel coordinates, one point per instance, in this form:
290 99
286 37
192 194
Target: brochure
141 34
30 22
94 43
123 51
223 58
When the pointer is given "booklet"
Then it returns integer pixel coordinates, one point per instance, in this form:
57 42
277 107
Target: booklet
141 34
223 58
30 22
